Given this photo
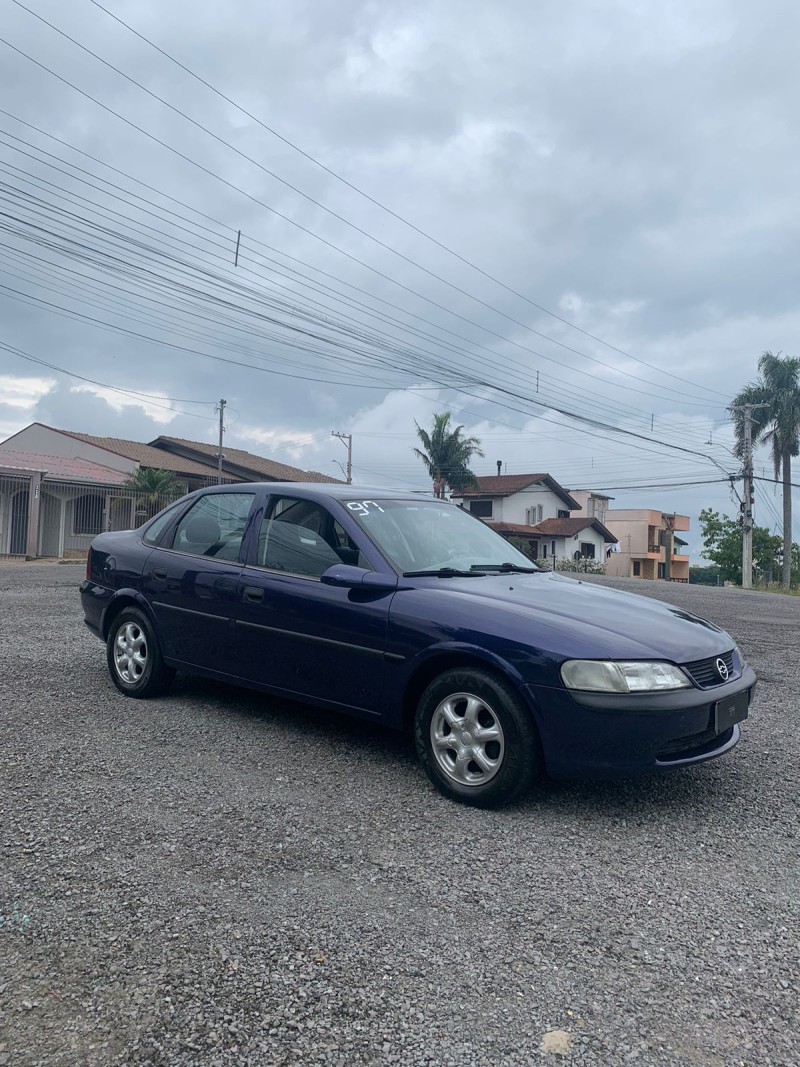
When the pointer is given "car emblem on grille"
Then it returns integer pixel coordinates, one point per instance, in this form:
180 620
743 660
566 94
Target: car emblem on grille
722 669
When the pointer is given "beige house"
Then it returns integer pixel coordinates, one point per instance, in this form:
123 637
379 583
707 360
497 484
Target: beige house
591 504
649 545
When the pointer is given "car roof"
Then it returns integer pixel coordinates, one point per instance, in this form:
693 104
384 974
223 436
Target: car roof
337 491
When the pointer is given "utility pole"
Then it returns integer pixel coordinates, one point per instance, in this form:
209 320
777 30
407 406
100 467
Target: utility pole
221 409
748 496
347 440
747 505
669 545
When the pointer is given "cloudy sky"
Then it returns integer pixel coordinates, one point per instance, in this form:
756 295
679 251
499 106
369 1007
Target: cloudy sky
521 213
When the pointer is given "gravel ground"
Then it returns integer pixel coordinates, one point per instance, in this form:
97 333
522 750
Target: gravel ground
217 878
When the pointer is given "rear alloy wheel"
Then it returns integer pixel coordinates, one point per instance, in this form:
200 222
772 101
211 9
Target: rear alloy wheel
134 659
475 738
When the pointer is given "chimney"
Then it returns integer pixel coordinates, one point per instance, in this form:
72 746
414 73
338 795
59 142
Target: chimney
499 467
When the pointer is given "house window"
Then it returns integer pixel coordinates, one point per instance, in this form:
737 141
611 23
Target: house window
534 549
562 514
637 569
552 548
481 508
544 550
534 515
662 570
87 518
587 549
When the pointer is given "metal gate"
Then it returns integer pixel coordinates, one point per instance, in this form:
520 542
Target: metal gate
14 510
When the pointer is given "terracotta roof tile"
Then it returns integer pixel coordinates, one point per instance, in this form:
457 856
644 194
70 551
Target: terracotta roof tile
145 455
570 527
269 468
508 484
62 467
502 484
515 528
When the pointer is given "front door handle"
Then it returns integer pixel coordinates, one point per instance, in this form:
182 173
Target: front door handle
159 574
253 594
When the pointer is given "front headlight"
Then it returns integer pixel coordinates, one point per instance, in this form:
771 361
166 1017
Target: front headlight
605 676
740 654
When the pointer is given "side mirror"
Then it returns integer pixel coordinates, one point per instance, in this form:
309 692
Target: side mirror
347 577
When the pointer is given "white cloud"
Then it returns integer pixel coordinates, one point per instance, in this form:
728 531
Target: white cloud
23 393
159 410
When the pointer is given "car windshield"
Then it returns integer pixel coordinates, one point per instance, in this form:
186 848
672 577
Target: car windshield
432 535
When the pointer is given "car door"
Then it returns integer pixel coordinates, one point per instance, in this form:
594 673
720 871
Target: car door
192 583
310 639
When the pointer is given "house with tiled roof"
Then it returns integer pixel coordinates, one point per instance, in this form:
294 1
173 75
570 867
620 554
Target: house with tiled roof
60 488
517 498
236 463
536 509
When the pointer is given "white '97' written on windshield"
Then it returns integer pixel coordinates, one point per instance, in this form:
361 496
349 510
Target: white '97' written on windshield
363 507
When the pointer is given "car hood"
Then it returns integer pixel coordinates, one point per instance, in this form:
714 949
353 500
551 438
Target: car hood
612 622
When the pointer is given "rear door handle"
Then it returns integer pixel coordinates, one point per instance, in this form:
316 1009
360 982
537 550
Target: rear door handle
159 574
253 594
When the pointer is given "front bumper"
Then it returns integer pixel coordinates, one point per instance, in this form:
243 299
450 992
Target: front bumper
609 735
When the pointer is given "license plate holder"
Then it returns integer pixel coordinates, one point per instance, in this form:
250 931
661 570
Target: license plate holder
731 710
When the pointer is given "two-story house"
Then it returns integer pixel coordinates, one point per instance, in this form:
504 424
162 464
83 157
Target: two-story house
536 509
592 504
649 545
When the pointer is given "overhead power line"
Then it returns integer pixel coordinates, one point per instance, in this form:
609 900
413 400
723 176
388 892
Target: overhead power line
293 222
373 200
151 397
224 226
505 392
542 404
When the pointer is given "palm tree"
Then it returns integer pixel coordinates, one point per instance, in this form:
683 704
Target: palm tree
153 485
777 424
446 454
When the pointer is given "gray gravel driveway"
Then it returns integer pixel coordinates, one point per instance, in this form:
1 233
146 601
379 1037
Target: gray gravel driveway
218 878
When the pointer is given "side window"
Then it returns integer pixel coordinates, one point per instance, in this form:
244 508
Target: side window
302 537
346 549
214 526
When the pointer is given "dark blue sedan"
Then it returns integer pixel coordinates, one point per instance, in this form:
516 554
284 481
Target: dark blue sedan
410 611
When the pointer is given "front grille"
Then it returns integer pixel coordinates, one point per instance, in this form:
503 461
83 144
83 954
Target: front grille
698 745
704 671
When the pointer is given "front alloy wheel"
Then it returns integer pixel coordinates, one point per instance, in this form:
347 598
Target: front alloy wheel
476 738
467 739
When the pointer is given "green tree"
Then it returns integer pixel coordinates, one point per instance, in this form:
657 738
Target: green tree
704 575
722 545
446 454
776 424
154 486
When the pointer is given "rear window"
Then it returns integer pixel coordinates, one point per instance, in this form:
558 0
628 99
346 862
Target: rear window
214 526
156 528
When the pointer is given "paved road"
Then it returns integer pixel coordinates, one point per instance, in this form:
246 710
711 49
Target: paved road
216 878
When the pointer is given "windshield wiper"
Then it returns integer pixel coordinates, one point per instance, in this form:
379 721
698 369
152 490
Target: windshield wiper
504 568
441 572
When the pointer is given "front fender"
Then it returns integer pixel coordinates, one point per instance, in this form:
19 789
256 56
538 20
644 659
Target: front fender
456 649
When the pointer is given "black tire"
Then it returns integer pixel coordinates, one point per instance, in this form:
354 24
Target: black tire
137 670
510 760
